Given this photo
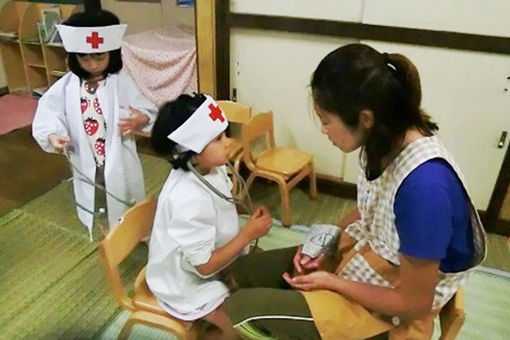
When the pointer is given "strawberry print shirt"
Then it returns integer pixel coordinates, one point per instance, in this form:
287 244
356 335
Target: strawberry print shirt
93 119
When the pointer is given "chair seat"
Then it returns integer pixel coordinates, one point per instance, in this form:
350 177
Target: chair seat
144 299
285 161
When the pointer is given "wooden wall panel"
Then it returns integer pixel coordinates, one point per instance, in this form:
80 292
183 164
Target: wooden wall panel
206 52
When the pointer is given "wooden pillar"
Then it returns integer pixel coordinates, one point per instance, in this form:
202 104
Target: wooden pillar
206 45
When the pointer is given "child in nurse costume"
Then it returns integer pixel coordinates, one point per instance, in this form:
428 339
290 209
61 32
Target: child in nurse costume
196 233
90 114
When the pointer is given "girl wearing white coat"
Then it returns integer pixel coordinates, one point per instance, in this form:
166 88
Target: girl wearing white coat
91 113
196 232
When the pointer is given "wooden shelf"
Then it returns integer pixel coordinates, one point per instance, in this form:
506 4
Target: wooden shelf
15 41
54 45
57 73
37 65
28 63
32 42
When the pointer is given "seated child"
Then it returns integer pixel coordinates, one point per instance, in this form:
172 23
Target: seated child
196 232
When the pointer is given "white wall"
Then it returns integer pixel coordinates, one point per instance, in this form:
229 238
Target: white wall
487 17
347 10
463 91
272 72
139 16
177 15
142 16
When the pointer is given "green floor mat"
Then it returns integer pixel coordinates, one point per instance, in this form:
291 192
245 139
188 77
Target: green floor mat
78 306
34 256
487 299
52 284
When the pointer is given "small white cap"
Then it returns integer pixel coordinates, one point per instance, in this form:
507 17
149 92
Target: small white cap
205 124
91 39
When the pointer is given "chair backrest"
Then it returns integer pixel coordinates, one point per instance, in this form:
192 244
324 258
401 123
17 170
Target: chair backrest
258 126
133 227
235 112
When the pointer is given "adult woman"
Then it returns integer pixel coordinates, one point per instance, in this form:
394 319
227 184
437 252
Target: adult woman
409 244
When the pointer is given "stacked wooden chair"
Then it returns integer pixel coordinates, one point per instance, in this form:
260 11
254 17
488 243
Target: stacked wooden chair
237 115
283 165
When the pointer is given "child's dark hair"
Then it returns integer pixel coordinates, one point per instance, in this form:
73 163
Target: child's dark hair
356 77
170 117
93 16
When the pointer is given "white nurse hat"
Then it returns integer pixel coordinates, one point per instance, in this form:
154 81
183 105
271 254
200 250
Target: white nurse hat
91 39
205 124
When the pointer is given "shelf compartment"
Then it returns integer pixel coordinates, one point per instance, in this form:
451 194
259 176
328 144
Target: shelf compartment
36 77
32 54
55 58
28 64
13 65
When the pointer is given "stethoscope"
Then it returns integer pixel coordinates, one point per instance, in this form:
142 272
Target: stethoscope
236 199
84 178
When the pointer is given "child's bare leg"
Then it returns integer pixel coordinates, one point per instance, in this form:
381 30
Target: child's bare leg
225 330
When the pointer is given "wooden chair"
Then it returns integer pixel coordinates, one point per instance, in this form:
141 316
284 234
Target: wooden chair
451 319
452 316
237 114
117 245
285 166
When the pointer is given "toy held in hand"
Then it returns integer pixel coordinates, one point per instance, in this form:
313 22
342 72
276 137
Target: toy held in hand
322 238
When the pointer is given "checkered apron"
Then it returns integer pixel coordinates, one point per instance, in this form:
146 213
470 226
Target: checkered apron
377 224
368 250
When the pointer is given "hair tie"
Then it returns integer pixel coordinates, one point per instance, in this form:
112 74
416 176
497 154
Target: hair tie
387 61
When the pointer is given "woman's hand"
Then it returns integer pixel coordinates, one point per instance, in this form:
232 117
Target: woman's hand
135 120
259 224
313 281
304 263
59 142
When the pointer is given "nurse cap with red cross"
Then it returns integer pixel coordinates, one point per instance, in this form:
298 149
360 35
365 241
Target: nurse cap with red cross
91 39
92 31
204 125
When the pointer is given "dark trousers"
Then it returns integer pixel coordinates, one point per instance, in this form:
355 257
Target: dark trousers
100 201
265 300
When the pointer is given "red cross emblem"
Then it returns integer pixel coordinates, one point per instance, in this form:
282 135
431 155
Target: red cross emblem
215 113
94 40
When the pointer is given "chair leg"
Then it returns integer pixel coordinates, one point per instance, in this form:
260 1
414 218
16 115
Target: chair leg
313 183
249 181
237 165
286 210
126 330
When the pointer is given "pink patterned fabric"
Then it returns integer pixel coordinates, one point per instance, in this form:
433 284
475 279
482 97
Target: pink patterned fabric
162 62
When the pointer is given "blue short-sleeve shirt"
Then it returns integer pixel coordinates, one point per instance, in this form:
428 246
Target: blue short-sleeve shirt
432 213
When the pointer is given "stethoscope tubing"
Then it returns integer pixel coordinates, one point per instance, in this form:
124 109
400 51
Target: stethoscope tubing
84 178
233 199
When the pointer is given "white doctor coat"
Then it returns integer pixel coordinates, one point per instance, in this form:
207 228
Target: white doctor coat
59 112
191 222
